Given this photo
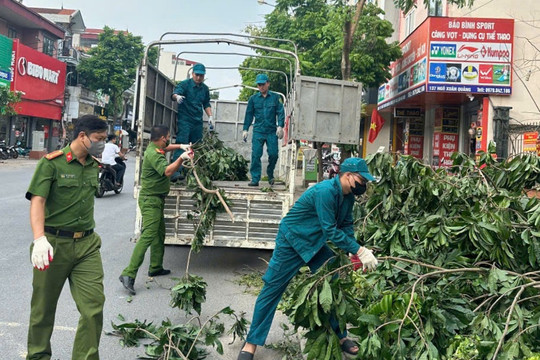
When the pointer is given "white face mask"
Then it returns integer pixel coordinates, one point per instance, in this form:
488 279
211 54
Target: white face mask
96 147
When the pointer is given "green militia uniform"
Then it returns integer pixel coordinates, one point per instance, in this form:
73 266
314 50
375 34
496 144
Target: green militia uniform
154 188
69 188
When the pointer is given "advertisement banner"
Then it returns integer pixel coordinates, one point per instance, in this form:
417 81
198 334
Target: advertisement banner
529 141
409 72
445 137
470 55
6 45
41 79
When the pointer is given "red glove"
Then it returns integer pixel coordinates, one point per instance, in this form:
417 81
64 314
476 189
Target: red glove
357 264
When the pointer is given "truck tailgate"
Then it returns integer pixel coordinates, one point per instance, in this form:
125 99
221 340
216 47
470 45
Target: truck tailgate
256 216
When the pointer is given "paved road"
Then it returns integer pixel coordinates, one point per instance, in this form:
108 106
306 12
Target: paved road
115 216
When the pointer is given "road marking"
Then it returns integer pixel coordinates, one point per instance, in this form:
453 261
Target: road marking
14 324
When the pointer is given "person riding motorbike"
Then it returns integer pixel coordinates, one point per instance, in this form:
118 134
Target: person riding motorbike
109 157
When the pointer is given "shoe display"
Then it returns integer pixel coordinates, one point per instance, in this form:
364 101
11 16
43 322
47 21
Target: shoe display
128 283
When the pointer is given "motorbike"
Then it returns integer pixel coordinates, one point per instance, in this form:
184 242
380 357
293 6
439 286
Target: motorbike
330 166
20 150
8 151
107 179
3 154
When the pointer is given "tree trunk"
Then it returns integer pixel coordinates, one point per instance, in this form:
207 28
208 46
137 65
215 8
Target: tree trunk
349 28
345 56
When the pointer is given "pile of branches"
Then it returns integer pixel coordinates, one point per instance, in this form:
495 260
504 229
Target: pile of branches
458 279
186 341
213 162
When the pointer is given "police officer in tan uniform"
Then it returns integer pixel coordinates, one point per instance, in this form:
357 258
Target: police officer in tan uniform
155 185
65 245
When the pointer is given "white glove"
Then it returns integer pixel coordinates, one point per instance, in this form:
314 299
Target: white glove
187 155
210 123
42 253
244 135
185 147
279 132
180 99
369 261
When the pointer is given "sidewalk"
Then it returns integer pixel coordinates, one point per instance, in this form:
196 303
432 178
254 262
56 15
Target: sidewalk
18 162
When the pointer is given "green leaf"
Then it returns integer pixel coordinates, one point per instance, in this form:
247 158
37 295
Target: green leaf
325 297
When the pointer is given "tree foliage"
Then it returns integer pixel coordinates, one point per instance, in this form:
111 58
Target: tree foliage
316 26
459 279
216 162
8 101
112 65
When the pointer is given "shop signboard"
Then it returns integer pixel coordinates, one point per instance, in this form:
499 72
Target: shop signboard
407 112
409 72
470 55
6 46
445 136
41 79
529 141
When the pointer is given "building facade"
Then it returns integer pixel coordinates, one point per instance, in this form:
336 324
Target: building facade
175 67
466 78
36 74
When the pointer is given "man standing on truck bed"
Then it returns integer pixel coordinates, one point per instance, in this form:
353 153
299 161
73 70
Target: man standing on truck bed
192 96
323 213
65 245
268 111
155 185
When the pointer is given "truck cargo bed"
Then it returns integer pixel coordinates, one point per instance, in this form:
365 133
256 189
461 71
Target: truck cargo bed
256 215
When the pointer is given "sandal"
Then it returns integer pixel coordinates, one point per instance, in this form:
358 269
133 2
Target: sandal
346 347
244 355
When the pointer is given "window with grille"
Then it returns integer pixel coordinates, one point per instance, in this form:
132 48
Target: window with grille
48 46
409 22
435 8
12 33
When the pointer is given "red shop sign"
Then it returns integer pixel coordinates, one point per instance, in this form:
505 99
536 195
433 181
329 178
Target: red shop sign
41 79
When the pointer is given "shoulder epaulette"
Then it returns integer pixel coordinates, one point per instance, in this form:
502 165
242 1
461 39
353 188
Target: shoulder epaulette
160 151
54 154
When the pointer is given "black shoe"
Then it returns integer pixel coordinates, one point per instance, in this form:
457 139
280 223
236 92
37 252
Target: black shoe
128 283
251 183
159 272
271 181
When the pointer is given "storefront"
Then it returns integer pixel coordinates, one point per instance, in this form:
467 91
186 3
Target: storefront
438 96
41 81
6 45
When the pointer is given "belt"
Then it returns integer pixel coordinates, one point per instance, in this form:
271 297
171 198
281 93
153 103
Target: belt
68 234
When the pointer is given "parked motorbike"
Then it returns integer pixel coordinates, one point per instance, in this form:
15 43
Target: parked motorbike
330 166
107 177
7 151
3 153
20 150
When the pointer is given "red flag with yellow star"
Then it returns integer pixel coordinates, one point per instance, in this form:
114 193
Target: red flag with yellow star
377 122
